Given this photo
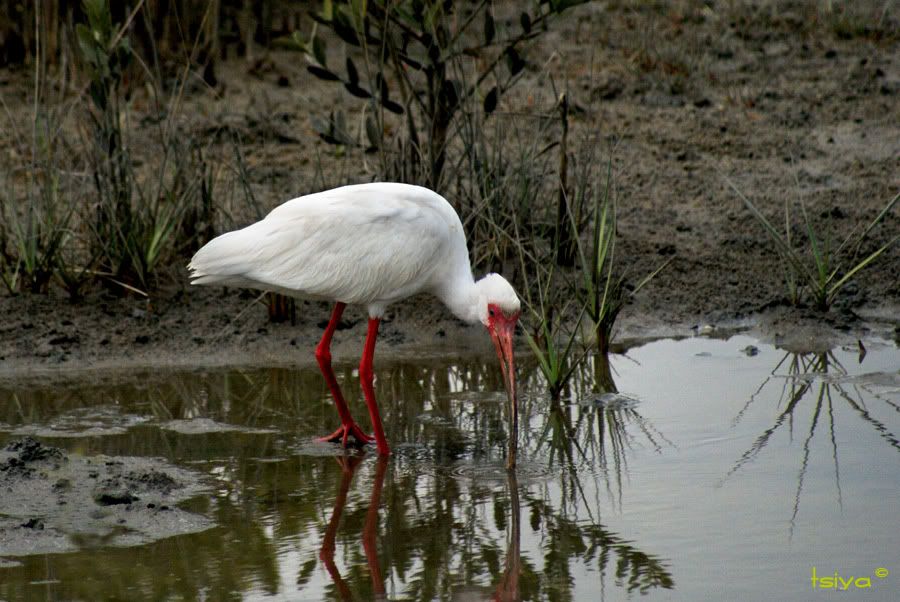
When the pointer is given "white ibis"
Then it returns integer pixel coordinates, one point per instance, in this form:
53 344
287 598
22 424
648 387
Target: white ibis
369 244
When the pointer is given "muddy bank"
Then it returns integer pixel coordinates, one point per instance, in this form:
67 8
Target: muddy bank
781 100
54 501
206 328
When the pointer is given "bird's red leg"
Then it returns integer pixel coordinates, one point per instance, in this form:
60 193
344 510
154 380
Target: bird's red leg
323 356
366 376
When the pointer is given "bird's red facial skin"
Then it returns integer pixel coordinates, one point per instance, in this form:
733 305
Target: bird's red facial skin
502 327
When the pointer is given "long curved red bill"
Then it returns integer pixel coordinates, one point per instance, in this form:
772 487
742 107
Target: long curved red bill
502 328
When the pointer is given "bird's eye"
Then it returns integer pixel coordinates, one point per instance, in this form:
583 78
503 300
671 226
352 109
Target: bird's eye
491 312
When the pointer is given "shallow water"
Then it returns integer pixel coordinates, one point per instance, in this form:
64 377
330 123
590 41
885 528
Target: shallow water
712 473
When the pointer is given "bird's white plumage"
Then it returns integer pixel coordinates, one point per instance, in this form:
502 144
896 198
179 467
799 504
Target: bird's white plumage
494 288
368 244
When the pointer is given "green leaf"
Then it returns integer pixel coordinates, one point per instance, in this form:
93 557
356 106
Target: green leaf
450 95
651 276
99 17
880 216
344 28
821 259
558 6
359 11
490 101
352 73
334 131
323 73
321 20
327 12
432 16
293 42
781 245
514 61
318 48
381 84
414 63
539 354
840 283
373 133
98 94
357 91
418 10
88 46
434 51
525 21
392 106
489 28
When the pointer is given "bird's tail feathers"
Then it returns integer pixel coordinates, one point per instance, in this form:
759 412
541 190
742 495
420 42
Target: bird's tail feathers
223 260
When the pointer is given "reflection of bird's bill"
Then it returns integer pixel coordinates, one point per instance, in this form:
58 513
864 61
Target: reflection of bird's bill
370 529
508 586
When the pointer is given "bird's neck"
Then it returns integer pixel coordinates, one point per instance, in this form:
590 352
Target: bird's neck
461 297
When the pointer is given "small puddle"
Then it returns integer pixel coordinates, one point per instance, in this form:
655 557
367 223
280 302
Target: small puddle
705 468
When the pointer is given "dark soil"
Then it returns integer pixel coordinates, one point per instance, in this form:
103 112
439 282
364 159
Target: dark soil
782 99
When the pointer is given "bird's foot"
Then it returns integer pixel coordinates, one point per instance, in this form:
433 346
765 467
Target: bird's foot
345 431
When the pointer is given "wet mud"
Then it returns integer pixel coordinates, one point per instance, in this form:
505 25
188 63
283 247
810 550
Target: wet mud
54 501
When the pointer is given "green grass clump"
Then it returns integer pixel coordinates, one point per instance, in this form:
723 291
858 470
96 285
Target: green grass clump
604 291
34 227
818 271
553 339
558 300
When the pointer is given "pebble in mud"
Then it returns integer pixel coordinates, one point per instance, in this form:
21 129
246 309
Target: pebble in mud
52 499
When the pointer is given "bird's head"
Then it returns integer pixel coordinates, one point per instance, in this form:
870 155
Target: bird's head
500 307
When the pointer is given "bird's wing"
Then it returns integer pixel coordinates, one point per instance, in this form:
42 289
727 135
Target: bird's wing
355 247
